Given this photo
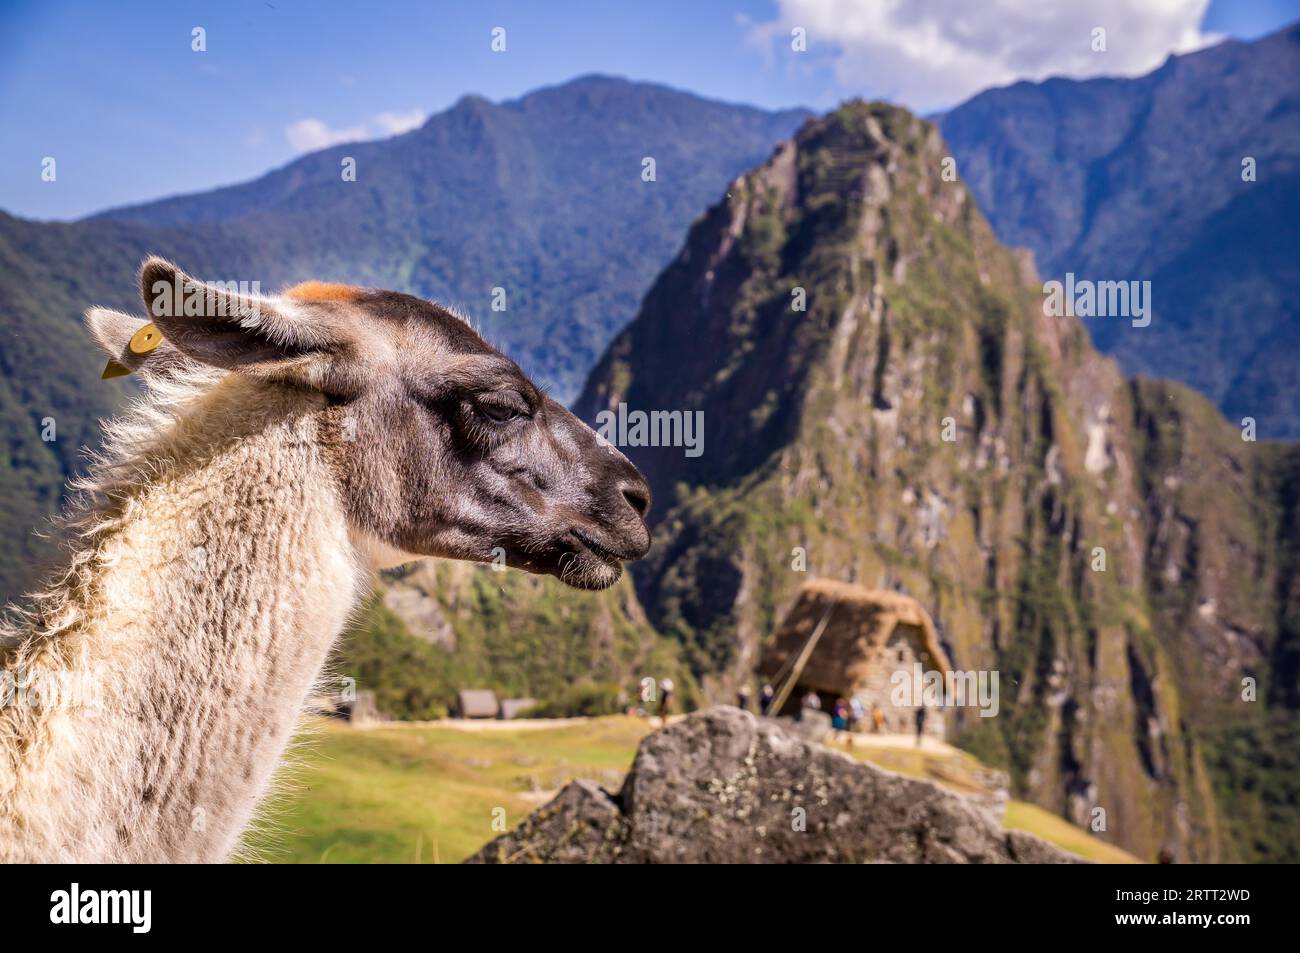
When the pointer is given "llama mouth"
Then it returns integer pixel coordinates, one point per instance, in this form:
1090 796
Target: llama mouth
602 553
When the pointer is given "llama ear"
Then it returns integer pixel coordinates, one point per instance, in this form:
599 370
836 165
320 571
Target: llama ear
234 329
129 342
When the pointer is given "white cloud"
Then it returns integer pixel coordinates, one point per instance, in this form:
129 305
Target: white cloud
307 135
394 124
929 54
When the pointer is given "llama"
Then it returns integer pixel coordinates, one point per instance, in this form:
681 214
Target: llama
285 447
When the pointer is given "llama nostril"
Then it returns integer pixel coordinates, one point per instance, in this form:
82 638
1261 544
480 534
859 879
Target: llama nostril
637 496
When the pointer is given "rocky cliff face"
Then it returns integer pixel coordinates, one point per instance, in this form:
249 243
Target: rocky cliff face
722 787
1111 548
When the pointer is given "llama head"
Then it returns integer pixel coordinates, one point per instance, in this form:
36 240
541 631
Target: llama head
439 444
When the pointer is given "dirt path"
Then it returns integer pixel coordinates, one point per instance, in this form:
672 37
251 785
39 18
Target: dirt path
480 724
497 724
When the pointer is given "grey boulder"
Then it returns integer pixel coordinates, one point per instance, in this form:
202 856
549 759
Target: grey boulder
721 786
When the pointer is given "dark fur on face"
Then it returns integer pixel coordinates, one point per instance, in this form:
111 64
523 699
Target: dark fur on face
442 446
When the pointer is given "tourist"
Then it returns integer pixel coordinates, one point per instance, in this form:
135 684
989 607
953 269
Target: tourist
840 716
857 711
809 702
920 723
665 698
765 699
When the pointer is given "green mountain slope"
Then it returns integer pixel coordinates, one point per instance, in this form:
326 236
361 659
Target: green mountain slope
1143 179
437 627
923 426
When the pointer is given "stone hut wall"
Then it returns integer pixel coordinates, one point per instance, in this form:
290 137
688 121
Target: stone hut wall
903 648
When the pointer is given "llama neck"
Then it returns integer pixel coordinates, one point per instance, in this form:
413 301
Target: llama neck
208 616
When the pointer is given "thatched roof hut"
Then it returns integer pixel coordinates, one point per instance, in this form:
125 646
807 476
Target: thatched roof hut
869 634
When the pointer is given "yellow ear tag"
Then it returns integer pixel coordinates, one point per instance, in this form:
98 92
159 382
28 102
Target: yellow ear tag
114 369
146 339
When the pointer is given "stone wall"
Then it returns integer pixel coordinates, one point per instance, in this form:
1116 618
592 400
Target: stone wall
903 648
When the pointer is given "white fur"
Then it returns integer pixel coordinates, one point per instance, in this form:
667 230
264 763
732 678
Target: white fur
193 668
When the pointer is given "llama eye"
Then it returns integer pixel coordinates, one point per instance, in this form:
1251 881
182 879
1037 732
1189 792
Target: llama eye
499 414
502 408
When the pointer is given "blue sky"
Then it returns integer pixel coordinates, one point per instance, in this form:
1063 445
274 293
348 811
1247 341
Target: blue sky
115 93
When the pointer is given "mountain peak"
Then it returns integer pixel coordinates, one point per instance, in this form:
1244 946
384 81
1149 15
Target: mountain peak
798 247
620 92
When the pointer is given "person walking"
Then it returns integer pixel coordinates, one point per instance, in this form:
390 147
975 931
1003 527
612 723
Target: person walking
920 723
765 699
